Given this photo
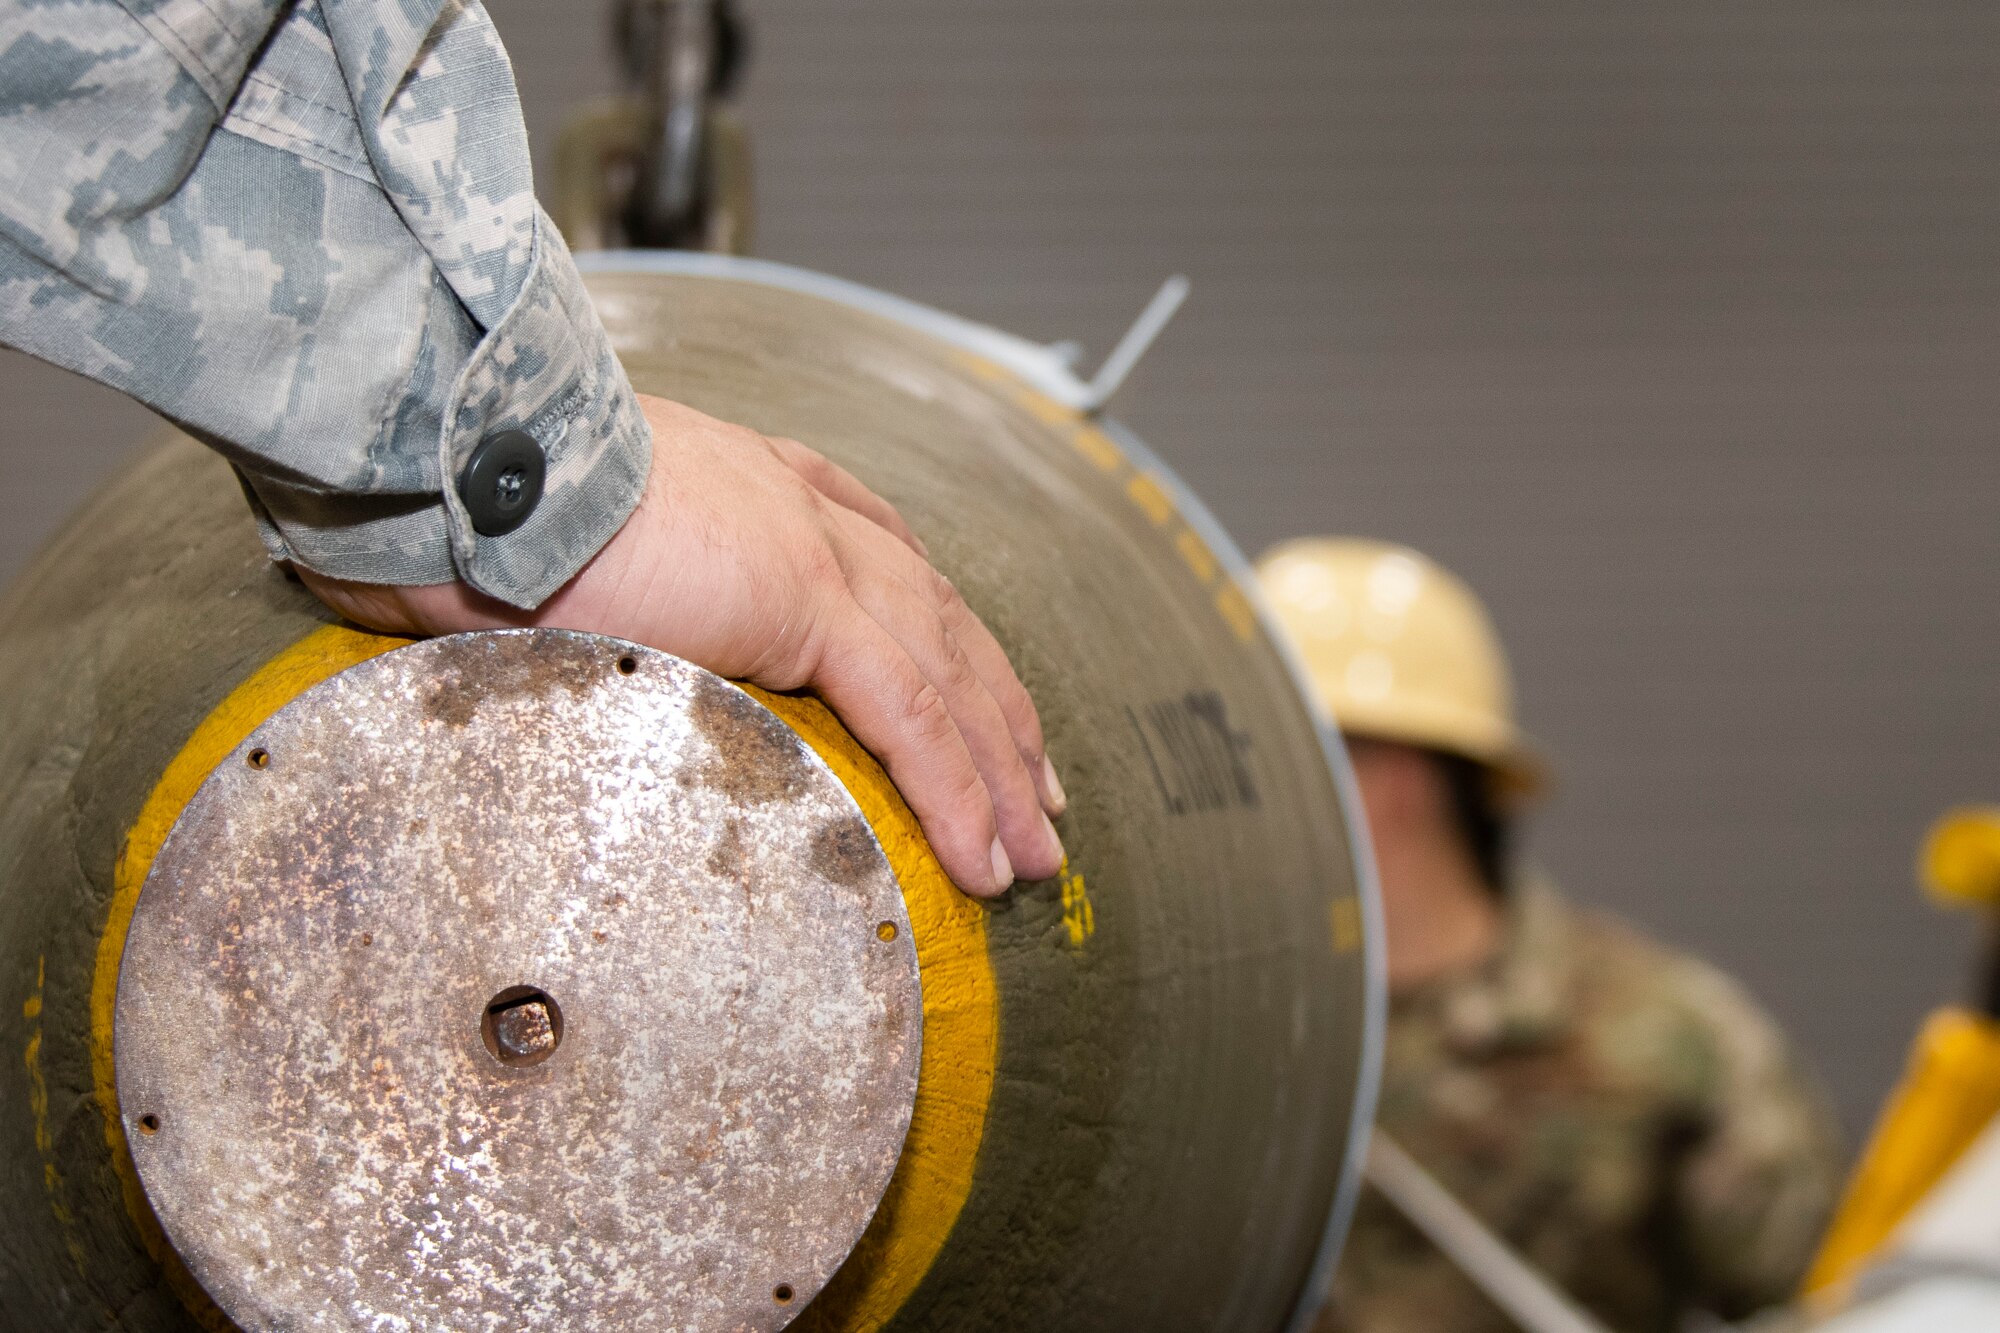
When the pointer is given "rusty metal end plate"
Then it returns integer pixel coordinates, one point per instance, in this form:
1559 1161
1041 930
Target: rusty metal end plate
523 980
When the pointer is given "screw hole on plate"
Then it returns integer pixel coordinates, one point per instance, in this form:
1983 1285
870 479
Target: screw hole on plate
522 1026
782 1293
627 665
886 931
149 1125
260 758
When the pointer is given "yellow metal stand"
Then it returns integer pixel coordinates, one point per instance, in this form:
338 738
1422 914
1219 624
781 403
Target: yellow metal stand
1949 1092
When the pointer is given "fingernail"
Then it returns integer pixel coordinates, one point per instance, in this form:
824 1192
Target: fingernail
1003 869
1055 839
1053 786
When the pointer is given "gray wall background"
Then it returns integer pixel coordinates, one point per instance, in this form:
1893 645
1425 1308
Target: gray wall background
1674 326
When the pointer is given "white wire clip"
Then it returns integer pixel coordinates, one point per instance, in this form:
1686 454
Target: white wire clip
1111 375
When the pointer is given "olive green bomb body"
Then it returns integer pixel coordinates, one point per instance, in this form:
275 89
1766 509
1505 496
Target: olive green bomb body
1139 1078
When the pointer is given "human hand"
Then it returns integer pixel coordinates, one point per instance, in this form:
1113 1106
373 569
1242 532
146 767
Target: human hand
759 559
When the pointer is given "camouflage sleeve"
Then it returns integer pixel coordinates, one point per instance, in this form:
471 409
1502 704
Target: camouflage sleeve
305 230
1758 1183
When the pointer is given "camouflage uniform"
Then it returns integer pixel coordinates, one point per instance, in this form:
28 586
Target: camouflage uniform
306 231
1621 1114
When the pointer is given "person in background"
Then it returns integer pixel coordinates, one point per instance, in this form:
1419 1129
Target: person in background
1622 1114
306 232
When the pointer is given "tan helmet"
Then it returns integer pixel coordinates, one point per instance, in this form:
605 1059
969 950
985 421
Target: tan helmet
1396 647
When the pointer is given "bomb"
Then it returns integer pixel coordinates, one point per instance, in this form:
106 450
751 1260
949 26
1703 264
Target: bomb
537 980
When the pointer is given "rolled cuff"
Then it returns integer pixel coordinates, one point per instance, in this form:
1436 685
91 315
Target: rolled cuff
546 368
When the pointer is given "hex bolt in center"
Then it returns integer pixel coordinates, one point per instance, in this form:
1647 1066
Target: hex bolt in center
521 1026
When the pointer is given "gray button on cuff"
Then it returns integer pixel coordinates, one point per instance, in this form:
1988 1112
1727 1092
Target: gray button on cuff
547 368
502 482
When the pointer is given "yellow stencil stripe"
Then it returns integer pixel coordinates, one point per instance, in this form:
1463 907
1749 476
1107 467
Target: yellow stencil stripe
960 1053
1235 608
1079 915
1194 551
324 653
1145 491
1344 916
38 1111
1045 409
1099 448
